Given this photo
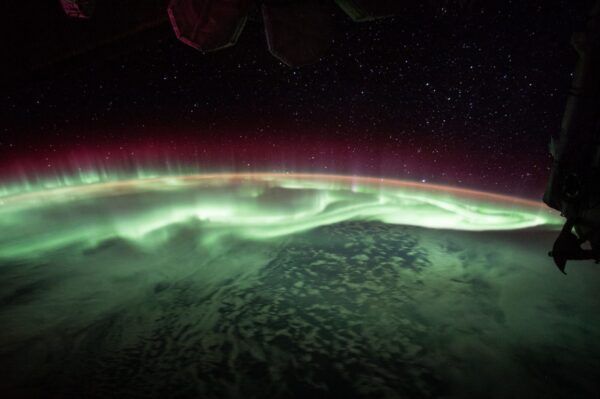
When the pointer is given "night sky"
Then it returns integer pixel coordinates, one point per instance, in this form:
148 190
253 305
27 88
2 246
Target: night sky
465 99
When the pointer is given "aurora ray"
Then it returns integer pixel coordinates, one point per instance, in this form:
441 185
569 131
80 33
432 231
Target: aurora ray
251 206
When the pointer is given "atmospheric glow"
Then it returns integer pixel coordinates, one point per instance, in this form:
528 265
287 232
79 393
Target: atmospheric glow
49 216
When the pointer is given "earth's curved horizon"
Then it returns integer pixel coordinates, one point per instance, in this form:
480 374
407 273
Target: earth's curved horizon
95 179
287 285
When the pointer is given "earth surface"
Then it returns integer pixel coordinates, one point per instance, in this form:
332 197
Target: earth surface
278 286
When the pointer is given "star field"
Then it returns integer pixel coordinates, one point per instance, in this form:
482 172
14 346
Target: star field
461 99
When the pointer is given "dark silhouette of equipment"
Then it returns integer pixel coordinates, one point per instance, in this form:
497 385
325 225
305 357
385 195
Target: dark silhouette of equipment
568 247
78 8
209 24
298 32
574 184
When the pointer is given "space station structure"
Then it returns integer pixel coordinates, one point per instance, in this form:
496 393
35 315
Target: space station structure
574 184
78 8
298 32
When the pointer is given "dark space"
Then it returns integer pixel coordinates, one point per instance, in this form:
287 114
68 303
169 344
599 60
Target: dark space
465 98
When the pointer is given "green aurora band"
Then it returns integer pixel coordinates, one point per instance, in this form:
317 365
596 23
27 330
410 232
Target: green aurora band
52 215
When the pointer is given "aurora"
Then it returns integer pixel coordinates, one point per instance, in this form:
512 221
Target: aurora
249 206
